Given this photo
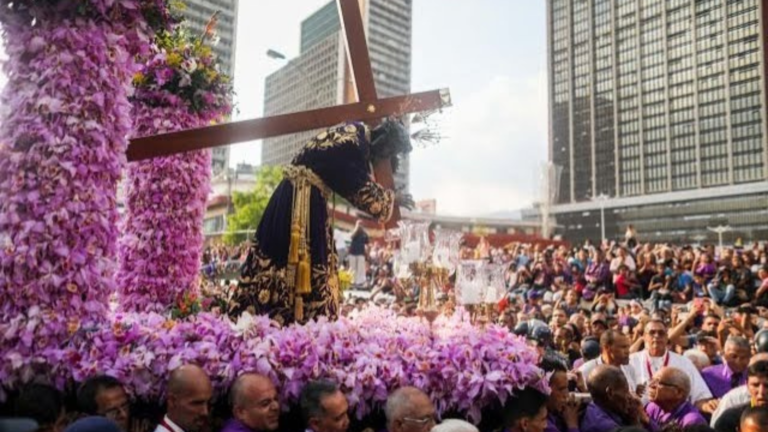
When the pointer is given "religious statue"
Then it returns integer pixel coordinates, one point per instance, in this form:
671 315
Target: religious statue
290 273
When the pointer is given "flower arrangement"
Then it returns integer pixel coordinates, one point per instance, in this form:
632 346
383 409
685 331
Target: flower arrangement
179 88
155 14
369 354
63 139
188 304
185 73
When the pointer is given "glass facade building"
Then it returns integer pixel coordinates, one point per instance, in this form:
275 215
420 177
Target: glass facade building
656 97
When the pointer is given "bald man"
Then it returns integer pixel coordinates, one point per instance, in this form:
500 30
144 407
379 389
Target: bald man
668 391
754 419
409 409
255 405
613 404
189 397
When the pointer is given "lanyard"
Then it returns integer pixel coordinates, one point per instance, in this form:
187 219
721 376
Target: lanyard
167 426
648 363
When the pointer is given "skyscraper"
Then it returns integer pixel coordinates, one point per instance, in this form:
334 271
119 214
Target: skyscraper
198 13
658 115
319 76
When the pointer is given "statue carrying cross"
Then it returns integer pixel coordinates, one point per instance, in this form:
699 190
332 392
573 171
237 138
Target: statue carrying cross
291 269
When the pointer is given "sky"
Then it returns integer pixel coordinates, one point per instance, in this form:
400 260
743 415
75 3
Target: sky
491 54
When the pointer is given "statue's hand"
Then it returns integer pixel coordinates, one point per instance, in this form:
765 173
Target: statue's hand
404 199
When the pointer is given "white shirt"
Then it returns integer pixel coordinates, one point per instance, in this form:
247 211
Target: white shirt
639 361
735 397
168 426
629 373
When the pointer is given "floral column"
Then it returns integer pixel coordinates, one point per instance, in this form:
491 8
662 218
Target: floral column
162 241
63 135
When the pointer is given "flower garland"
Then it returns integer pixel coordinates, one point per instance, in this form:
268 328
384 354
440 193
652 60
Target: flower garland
373 352
180 88
62 147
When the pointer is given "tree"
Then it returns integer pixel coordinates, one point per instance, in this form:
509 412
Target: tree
250 206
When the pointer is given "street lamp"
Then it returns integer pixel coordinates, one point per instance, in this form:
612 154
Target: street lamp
275 54
602 198
720 230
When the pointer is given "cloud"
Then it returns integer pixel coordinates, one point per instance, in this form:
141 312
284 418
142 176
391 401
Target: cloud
490 162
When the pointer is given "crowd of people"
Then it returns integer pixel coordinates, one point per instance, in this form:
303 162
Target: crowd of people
646 335
632 336
104 405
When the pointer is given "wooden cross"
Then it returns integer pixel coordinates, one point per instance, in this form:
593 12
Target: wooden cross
368 108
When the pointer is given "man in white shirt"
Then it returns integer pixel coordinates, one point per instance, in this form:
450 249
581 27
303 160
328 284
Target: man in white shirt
614 351
189 395
656 356
622 258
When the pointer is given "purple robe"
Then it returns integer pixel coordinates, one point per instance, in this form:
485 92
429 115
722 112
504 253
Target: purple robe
235 425
556 424
720 379
685 415
597 419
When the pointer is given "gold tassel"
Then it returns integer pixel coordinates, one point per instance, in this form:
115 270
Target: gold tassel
293 251
304 281
298 309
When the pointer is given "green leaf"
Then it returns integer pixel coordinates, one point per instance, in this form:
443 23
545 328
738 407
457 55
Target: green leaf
249 206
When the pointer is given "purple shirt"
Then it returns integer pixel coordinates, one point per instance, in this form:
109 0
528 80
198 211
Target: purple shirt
235 425
556 424
577 364
685 415
719 379
598 420
598 273
706 270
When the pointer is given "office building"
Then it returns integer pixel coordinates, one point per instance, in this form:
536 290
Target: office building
658 116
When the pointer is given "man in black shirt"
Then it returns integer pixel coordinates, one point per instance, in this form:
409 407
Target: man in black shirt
357 254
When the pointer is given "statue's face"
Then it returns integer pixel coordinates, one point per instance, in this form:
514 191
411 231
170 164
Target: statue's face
390 139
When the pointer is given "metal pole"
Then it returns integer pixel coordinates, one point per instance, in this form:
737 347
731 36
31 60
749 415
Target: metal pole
602 218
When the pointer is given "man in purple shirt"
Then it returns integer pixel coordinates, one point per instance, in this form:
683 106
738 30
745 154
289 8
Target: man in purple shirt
668 392
525 411
255 405
598 272
733 372
562 410
613 405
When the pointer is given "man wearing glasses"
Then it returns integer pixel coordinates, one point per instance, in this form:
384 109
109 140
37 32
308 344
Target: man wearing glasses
648 362
255 405
409 409
669 391
104 396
